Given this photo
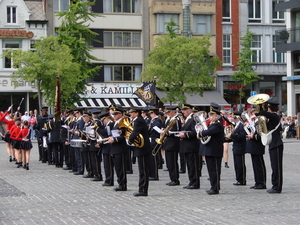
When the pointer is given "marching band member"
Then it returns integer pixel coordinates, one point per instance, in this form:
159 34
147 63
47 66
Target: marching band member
143 152
238 148
190 147
153 135
9 123
26 145
257 151
213 150
275 147
119 150
171 145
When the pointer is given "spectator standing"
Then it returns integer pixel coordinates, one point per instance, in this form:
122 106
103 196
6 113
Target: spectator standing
25 117
31 122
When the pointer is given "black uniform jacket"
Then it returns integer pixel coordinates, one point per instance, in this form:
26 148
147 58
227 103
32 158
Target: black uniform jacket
239 139
172 143
119 146
53 127
39 125
64 134
105 132
274 119
189 143
254 145
215 146
78 126
153 134
140 127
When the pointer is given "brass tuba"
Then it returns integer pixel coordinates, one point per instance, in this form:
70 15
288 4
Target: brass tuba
199 117
259 101
125 123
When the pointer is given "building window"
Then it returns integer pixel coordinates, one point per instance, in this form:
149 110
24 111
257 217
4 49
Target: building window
122 73
11 14
256 48
10 44
277 17
226 49
267 88
61 5
278 57
254 11
202 24
226 10
122 6
163 19
124 39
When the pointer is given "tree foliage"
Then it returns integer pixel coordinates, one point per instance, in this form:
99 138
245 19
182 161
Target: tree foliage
246 74
74 32
181 65
49 59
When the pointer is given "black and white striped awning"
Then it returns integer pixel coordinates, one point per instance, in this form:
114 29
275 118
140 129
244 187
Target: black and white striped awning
105 102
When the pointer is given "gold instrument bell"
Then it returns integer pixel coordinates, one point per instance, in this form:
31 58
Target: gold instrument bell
258 100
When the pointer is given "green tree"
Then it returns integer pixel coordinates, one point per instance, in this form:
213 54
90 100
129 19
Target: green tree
245 74
49 60
181 65
74 32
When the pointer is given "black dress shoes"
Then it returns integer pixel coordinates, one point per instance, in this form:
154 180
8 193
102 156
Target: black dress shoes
137 194
106 185
78 173
129 172
273 191
153 178
67 168
252 187
173 183
120 189
96 178
260 187
212 192
181 171
239 184
192 187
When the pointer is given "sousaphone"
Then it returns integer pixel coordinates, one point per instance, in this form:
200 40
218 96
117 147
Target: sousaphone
258 100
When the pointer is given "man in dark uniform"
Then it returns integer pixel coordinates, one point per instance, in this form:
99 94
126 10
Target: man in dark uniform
257 151
238 137
119 150
171 144
108 162
95 151
39 126
190 147
64 135
213 150
275 147
76 135
153 135
53 128
142 152
71 124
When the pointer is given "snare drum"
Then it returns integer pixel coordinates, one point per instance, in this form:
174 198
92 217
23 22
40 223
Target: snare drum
76 143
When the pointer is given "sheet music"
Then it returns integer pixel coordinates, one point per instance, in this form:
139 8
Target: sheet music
89 130
115 133
176 132
157 129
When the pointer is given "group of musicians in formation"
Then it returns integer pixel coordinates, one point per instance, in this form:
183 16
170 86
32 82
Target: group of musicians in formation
182 137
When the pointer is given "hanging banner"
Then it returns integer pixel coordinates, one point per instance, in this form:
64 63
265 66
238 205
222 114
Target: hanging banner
147 93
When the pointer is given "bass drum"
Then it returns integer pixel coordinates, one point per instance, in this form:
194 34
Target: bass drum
76 143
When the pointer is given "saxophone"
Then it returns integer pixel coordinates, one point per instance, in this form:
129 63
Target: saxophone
125 123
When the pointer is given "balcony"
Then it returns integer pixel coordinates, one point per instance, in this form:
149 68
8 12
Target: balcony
291 5
288 40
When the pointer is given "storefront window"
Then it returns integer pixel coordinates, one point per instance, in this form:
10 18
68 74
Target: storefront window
267 88
231 93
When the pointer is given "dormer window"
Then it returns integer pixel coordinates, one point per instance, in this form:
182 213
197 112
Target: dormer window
11 14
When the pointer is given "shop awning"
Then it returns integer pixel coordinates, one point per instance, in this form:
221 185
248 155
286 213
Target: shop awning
105 102
196 100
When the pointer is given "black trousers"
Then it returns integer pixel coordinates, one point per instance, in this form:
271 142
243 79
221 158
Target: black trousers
87 162
57 154
192 162
172 164
108 164
96 163
213 164
259 169
67 154
40 146
73 163
144 165
128 161
276 157
119 162
154 161
50 153
240 167
182 162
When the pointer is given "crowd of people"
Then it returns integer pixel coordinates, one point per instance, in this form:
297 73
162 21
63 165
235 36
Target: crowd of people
81 140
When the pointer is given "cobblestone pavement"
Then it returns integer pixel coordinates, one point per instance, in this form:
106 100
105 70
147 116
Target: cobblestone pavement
49 195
